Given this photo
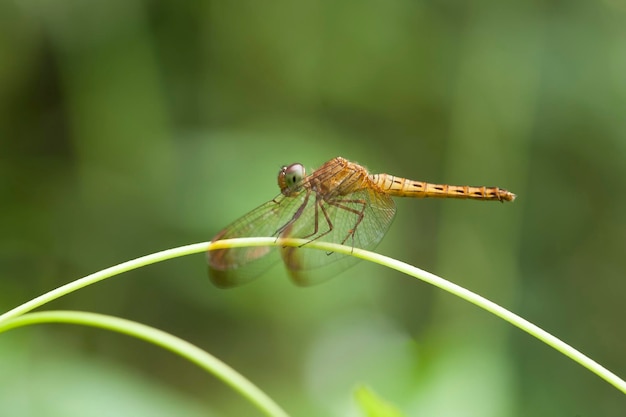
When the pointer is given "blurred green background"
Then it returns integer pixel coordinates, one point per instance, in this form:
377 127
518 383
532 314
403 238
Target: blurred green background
129 127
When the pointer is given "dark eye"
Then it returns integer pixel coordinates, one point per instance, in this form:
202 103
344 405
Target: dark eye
289 177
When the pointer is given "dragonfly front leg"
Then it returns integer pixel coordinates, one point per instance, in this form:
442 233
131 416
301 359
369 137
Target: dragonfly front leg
319 207
281 230
286 229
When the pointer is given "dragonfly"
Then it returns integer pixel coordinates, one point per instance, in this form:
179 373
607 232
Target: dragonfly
340 202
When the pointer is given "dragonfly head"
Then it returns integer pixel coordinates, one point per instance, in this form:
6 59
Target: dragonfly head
290 178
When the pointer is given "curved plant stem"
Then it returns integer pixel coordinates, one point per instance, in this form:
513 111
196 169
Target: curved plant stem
159 338
330 247
105 273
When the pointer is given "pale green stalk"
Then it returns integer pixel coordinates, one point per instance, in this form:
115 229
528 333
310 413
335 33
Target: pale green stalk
329 247
160 338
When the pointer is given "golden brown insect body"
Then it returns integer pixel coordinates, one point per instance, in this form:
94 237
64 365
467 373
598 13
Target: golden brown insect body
340 202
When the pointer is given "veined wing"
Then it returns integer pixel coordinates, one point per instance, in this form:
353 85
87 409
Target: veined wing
359 219
236 266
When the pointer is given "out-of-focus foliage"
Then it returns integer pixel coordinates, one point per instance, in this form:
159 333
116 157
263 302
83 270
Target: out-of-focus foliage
373 406
128 127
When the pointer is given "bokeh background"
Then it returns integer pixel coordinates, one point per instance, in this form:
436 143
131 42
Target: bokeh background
129 127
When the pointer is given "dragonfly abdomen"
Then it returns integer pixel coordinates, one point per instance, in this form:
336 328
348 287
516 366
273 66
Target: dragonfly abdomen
402 187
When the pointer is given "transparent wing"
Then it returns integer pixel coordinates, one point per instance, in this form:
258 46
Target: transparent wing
359 219
231 267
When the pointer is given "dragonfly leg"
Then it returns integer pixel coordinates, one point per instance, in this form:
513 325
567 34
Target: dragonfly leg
285 230
295 216
341 204
319 206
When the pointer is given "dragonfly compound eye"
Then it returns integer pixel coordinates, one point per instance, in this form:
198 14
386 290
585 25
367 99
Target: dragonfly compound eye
289 177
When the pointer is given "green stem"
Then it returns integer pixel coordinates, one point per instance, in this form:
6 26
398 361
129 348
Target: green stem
99 276
465 294
159 338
